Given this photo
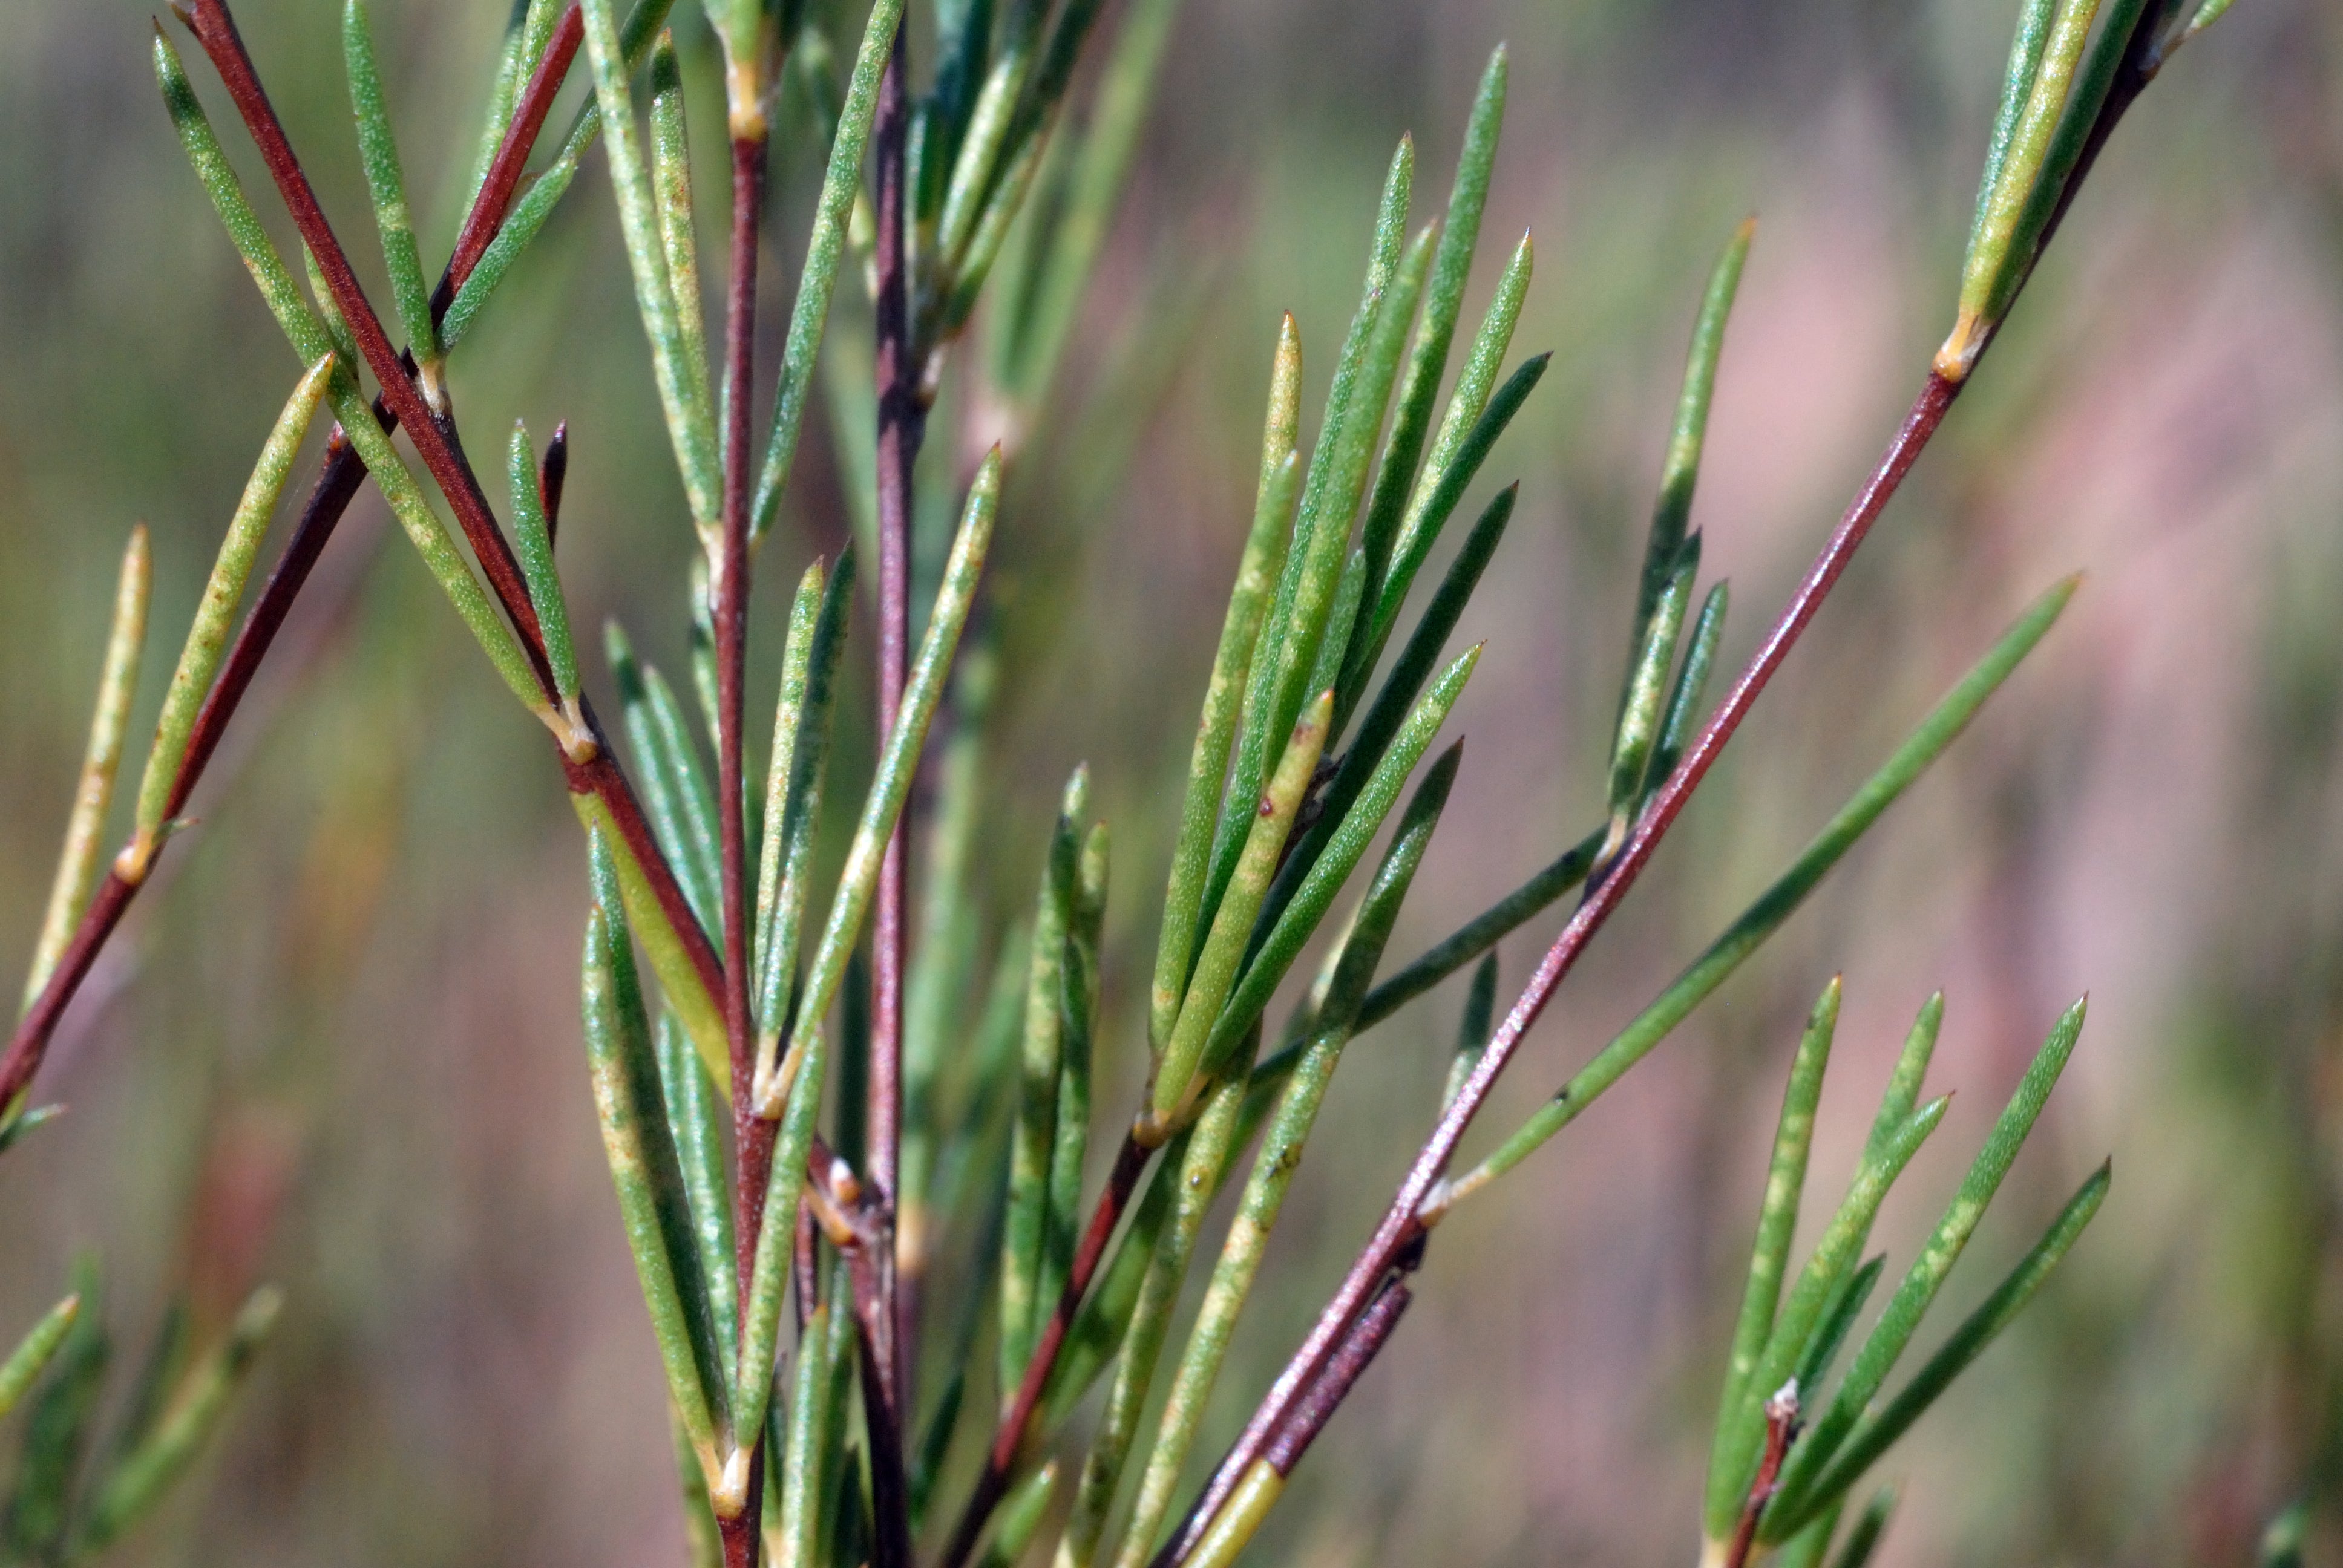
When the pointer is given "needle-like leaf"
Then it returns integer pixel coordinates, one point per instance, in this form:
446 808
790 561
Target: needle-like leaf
194 1413
109 720
206 642
1040 1065
1879 1429
676 790
1176 1070
691 418
410 292
39 1518
1315 894
1901 1317
793 788
33 1353
1777 1216
533 542
840 182
1257 572
310 340
648 1174
1761 919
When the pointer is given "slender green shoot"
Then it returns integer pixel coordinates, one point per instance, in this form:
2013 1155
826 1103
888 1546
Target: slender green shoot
410 291
1777 1217
533 542
690 418
33 1354
208 639
193 1414
1778 903
648 1173
1257 572
109 721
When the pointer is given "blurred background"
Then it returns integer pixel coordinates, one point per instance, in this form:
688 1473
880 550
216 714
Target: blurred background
340 1051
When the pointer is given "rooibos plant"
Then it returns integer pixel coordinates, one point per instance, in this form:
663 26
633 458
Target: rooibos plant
807 1121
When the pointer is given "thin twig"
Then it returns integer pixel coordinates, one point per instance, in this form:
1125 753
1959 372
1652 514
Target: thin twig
1009 1437
1781 1426
753 1135
901 421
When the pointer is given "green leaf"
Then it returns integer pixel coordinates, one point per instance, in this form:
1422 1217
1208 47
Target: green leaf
695 1104
1879 1431
1100 167
1415 541
795 780
671 198
1844 1305
1078 1001
410 292
1864 1539
1484 931
40 1513
1472 1030
1901 1317
1692 680
1468 401
1040 1063
806 1458
1203 1166
839 182
1763 918
1663 547
1175 1077
1275 952
686 400
447 564
648 1173
1287 652
195 1413
1640 717
1444 299
1733 1462
34 1351
1257 570
1777 1221
898 763
1020 1519
208 639
533 540
676 791
109 721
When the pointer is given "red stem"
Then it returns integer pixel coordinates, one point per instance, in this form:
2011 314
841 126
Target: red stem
901 421
1000 1461
753 1135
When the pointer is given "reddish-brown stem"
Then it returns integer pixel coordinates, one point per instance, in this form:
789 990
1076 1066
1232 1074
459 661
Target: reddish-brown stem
1350 1360
1781 1426
752 1135
901 421
215 30
1000 1460
1402 1228
890 1508
505 170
